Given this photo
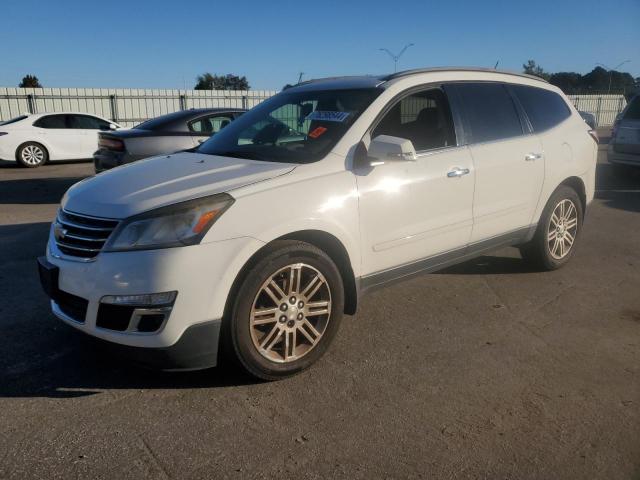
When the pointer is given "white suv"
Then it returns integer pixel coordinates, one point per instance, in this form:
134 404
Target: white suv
258 241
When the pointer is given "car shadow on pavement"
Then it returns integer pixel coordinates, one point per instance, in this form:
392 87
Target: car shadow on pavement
13 164
490 265
42 357
35 190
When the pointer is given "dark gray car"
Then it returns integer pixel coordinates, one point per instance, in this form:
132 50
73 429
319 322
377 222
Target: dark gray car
624 147
161 135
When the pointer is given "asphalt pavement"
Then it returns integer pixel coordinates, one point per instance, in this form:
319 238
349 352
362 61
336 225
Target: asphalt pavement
486 370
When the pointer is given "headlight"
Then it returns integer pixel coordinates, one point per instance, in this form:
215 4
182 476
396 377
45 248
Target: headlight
172 226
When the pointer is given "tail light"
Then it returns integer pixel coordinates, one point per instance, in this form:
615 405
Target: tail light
594 135
108 143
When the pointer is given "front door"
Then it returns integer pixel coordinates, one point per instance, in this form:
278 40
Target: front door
414 210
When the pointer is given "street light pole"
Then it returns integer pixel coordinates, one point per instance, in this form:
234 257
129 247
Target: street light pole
611 71
396 57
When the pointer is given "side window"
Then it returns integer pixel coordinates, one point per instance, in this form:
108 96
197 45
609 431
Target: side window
86 122
544 108
423 117
51 121
210 125
489 112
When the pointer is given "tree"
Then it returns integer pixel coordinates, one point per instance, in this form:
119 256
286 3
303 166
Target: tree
531 68
207 81
568 82
30 81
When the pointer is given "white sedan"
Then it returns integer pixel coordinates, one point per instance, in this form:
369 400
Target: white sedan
32 140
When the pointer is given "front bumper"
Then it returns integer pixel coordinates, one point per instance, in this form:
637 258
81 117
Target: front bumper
201 274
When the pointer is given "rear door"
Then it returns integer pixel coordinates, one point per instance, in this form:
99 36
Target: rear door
61 140
508 160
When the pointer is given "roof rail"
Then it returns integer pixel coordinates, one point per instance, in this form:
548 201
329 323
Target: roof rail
406 73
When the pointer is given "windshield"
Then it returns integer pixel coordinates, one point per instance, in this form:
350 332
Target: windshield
13 120
292 127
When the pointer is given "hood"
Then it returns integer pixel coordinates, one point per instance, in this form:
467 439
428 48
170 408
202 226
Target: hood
159 181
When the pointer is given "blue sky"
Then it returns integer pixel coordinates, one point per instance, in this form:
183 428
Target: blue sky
165 44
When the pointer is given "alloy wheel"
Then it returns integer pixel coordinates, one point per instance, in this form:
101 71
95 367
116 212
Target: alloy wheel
562 230
32 155
290 313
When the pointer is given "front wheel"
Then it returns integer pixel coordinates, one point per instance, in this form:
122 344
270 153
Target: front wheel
557 232
32 155
287 310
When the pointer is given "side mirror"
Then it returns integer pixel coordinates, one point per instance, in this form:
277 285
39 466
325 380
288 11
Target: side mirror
385 148
112 126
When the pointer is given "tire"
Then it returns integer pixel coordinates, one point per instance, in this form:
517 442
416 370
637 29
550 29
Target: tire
558 231
32 155
267 329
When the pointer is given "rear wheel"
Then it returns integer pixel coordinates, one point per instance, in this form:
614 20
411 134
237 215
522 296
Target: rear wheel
31 155
286 312
558 231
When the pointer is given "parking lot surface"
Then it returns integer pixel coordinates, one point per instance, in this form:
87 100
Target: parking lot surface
486 370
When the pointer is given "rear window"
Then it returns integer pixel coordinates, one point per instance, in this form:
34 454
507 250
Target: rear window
633 111
13 120
544 108
51 121
489 112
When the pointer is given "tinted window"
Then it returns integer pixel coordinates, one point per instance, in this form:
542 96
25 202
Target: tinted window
210 125
489 112
633 112
423 117
87 122
293 126
13 120
51 121
545 109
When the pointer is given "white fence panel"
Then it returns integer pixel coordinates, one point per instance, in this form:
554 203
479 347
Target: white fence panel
127 106
603 107
130 106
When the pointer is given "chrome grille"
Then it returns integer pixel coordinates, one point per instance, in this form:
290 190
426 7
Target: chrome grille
80 235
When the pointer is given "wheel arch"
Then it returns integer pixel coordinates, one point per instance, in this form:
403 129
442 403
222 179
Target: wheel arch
326 242
577 184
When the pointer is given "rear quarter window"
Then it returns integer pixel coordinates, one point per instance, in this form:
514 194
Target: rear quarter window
545 108
489 112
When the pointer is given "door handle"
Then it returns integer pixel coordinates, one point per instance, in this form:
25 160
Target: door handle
532 157
457 172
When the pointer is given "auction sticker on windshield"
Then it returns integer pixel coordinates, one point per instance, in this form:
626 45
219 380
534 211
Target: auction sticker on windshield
327 116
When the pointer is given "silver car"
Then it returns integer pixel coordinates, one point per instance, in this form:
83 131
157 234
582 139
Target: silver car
624 147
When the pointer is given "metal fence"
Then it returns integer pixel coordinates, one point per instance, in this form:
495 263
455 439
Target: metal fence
603 107
131 106
124 106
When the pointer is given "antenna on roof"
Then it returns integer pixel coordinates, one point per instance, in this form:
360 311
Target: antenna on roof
495 67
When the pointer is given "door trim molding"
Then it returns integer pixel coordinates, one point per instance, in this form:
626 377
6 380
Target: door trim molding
376 280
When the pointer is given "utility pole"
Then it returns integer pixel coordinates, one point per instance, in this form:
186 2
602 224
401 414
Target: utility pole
396 57
611 71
